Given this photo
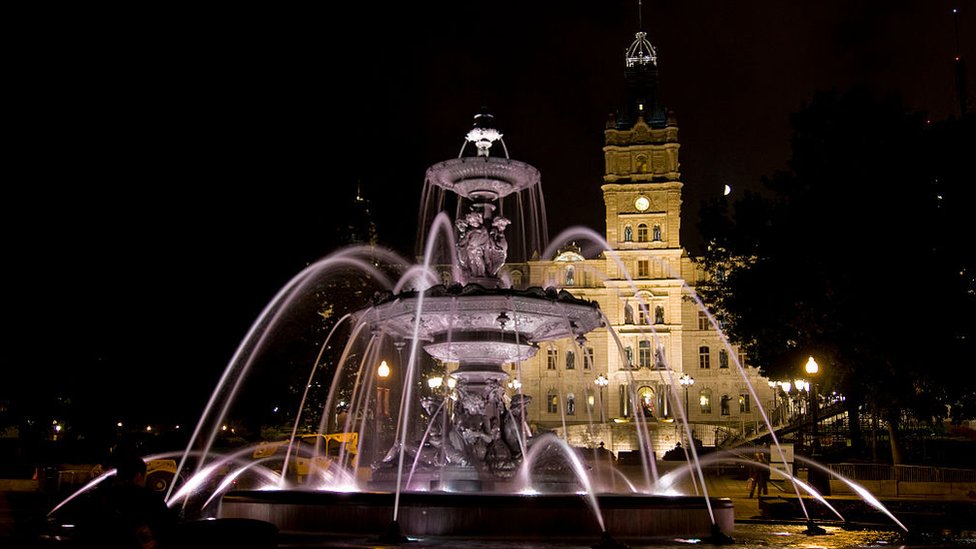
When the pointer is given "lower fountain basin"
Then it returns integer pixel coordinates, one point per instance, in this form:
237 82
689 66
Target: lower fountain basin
499 516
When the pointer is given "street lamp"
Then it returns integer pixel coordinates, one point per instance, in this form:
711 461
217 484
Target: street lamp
812 369
601 381
686 381
774 386
382 409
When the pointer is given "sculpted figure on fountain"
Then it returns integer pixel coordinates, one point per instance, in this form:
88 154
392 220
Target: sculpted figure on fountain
481 253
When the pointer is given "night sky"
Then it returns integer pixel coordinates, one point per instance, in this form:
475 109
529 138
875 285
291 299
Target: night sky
172 170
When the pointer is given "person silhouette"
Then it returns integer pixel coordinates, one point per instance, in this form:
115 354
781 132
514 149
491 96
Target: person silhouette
126 513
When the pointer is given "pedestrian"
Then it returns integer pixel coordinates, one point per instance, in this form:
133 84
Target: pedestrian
753 478
126 514
762 479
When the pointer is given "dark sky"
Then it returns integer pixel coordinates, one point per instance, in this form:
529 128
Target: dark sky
171 170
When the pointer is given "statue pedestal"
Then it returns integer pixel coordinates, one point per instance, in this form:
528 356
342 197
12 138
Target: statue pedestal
456 478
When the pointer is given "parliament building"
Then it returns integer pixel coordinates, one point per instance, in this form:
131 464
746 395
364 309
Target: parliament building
662 339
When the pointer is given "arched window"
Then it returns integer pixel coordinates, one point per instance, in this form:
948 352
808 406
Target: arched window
656 233
552 402
570 360
516 279
723 359
744 403
570 404
659 315
705 401
642 165
644 354
570 275
703 362
628 234
645 398
642 233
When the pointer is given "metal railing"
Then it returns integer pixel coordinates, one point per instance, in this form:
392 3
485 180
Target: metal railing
907 473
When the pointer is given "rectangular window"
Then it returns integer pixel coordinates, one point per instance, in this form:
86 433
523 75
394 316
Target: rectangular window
643 268
553 403
629 355
644 354
641 315
743 403
703 362
703 323
551 358
588 358
742 358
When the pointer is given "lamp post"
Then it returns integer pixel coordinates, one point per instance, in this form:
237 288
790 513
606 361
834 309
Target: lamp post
382 404
812 369
686 381
774 385
601 381
787 401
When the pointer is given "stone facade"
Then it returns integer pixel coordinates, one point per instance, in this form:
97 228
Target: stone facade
644 285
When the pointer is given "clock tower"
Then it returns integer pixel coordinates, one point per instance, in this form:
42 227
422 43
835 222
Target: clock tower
655 335
642 188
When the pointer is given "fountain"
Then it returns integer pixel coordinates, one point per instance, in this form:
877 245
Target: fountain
464 463
477 465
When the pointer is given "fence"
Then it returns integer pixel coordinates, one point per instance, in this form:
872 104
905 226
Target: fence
905 473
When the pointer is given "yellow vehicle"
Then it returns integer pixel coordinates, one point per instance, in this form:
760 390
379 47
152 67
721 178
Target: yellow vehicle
300 461
160 473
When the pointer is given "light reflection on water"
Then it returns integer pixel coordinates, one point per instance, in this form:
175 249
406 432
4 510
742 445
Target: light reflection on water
772 536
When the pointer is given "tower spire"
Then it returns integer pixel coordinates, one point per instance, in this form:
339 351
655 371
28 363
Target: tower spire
640 15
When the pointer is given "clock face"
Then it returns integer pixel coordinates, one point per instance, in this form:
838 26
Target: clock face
642 203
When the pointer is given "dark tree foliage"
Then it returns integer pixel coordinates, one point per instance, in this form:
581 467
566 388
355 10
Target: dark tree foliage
860 255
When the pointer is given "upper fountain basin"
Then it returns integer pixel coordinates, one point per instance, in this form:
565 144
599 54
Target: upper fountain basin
483 178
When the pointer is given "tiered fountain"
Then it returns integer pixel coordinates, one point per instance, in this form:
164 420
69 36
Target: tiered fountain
477 471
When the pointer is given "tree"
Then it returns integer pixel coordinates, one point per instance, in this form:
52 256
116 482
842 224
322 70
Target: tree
858 255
